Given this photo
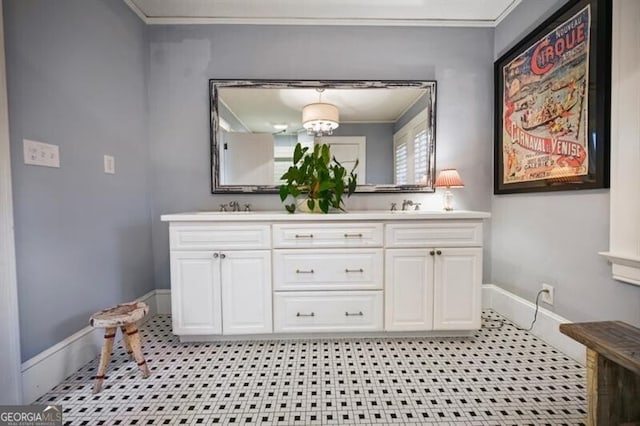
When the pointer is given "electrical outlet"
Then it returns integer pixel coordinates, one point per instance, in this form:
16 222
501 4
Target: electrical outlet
547 296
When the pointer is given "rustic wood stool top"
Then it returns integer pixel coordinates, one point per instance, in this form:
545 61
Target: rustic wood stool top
117 316
618 341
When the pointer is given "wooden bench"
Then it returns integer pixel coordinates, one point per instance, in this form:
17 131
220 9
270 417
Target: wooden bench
613 370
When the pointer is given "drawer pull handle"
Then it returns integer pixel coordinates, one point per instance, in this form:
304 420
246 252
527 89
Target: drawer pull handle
300 271
353 270
353 235
305 315
357 314
304 235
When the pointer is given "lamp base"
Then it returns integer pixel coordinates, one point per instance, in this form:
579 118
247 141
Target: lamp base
448 201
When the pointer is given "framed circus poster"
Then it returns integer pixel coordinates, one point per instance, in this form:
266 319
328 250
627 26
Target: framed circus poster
552 104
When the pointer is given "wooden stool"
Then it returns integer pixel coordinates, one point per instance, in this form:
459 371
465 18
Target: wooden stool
123 316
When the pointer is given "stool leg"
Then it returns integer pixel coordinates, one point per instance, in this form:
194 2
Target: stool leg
107 347
136 346
125 342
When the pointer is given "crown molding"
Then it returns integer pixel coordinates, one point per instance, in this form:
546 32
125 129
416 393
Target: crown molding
353 21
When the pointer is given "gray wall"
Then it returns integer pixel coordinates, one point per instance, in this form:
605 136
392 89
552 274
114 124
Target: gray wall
182 59
555 237
76 78
379 136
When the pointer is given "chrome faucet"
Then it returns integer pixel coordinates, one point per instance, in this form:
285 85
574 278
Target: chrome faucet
234 206
406 203
393 207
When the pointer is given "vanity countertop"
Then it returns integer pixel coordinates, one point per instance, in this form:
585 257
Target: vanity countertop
356 215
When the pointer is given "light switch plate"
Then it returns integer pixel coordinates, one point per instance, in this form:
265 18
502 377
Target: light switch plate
109 165
41 154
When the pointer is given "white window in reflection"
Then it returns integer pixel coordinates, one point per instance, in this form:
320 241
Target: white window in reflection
401 162
411 152
420 155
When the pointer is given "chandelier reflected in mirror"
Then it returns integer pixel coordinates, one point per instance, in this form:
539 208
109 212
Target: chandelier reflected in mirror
320 119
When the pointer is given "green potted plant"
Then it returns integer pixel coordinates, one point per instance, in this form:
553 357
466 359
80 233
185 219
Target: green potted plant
318 179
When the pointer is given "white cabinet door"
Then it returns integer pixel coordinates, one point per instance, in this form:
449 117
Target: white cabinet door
457 289
195 293
246 292
408 289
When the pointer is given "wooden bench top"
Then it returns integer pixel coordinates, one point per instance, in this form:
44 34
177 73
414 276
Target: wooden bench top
615 340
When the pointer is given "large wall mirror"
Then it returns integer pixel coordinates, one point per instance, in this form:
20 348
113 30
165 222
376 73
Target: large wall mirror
389 126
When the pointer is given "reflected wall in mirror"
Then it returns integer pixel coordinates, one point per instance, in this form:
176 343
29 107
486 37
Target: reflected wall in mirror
389 126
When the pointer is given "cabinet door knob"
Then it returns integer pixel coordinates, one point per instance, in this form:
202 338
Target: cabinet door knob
222 256
305 315
432 253
215 255
439 252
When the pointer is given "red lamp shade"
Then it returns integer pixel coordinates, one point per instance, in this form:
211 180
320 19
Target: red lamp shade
449 178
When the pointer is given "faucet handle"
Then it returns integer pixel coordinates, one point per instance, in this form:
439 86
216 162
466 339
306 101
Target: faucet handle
417 206
247 207
394 207
223 207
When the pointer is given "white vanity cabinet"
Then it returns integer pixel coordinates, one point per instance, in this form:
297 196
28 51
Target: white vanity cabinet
195 293
271 272
408 290
457 287
433 278
327 277
225 289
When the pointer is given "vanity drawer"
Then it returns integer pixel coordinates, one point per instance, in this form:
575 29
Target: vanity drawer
434 234
219 237
327 311
327 235
327 269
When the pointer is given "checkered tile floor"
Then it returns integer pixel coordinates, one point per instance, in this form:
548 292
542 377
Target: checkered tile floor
497 377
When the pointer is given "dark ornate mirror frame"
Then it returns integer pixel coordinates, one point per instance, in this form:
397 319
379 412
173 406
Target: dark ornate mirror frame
216 84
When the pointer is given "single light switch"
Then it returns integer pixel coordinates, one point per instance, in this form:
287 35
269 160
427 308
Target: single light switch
109 165
41 154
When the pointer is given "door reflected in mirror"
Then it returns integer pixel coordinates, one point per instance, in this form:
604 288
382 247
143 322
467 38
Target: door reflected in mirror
389 126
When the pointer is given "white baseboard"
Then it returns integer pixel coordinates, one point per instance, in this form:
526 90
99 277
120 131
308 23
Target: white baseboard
51 366
163 299
521 311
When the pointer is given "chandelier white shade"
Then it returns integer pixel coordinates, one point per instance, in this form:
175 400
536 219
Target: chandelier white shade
320 119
